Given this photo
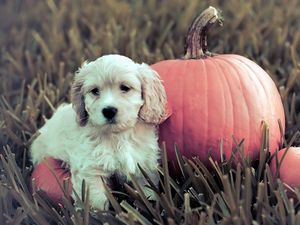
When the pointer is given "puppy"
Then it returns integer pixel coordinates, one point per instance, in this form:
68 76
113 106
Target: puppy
109 128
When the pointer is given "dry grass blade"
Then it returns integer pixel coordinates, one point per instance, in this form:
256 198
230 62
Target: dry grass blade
247 193
170 210
86 209
264 149
111 198
228 194
165 166
180 161
174 184
238 179
202 178
14 172
216 168
144 199
136 215
132 193
43 204
148 179
207 174
36 215
259 201
202 218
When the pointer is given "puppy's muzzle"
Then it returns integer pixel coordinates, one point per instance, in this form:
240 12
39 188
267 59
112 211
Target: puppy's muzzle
110 113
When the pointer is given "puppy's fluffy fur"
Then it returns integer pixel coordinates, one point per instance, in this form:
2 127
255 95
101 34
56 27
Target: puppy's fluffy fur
95 143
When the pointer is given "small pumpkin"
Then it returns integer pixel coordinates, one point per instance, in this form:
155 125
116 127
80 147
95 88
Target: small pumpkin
49 176
215 97
287 166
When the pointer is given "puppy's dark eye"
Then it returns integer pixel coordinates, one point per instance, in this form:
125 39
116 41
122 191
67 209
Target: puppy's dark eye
95 91
124 88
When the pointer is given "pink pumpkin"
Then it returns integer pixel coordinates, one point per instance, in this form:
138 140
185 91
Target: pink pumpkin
49 177
215 97
290 166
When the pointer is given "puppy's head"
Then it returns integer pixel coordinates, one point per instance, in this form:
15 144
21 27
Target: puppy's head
113 92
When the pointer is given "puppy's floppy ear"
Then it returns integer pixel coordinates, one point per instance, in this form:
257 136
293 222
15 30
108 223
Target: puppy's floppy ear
77 99
154 96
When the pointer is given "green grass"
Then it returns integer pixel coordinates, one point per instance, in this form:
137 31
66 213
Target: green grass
44 42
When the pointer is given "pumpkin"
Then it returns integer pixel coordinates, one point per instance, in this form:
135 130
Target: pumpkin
215 98
48 176
289 167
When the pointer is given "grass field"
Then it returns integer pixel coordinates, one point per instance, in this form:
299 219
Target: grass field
43 43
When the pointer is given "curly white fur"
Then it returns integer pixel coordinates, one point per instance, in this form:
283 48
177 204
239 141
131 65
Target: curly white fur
96 146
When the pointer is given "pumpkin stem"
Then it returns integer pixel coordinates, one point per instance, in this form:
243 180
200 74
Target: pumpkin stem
196 39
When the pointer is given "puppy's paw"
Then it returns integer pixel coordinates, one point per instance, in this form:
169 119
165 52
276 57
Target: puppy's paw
99 202
64 165
149 193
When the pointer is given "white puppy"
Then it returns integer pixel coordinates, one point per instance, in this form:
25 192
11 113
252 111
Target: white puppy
110 126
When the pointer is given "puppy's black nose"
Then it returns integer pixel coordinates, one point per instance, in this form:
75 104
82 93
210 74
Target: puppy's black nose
109 112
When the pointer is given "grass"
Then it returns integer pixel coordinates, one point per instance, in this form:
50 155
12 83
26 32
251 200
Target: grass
43 43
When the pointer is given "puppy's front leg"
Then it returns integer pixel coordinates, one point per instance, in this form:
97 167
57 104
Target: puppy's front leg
98 199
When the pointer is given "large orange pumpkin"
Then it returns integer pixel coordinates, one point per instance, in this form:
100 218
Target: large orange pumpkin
215 97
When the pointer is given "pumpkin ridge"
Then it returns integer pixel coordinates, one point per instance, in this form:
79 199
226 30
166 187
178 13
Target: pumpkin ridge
269 109
215 60
206 107
245 64
249 68
183 105
247 137
180 80
238 58
251 126
252 74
